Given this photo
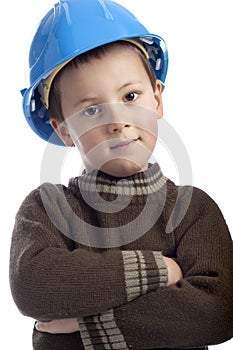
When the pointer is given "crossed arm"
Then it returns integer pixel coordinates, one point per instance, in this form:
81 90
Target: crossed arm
71 325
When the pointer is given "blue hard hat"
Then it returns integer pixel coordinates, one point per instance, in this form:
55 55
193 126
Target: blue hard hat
71 28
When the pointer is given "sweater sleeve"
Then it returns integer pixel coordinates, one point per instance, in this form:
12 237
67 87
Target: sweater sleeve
51 280
197 311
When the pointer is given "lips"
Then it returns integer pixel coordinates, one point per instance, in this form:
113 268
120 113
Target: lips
123 144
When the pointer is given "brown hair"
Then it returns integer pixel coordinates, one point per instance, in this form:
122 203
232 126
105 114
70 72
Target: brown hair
55 108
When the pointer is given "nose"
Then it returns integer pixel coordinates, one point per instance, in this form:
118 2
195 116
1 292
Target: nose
117 127
117 119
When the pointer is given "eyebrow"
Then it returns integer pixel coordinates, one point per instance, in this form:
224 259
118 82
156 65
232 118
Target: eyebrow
89 99
129 84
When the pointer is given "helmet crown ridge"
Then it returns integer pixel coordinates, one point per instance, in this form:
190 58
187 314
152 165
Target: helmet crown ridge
73 27
76 26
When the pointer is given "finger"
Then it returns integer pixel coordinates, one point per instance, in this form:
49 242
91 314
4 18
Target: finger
37 326
41 326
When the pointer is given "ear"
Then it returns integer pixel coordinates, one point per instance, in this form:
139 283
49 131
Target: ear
158 98
62 131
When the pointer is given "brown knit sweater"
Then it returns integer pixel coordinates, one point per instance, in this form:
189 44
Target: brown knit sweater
93 250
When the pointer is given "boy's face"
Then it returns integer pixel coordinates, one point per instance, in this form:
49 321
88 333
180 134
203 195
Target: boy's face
111 110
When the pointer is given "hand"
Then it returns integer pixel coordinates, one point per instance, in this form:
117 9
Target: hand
174 271
69 325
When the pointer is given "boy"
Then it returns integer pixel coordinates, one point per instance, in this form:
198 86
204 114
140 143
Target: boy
122 258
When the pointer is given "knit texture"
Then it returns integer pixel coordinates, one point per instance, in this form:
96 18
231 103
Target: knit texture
93 250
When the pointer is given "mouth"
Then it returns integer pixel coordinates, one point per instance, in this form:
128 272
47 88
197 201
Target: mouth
124 144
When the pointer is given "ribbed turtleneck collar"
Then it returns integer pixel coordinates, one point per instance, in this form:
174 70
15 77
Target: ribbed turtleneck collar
142 183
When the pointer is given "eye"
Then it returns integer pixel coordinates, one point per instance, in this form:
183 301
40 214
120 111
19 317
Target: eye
132 96
90 111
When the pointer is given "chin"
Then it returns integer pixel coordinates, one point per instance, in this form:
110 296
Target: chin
123 167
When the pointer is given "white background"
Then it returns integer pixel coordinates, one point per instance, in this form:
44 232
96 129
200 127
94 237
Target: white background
197 99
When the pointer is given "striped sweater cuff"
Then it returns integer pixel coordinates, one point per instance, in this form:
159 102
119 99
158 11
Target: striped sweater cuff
144 271
101 332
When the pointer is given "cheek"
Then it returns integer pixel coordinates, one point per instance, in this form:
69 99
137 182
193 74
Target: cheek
149 131
149 138
148 124
151 127
88 140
